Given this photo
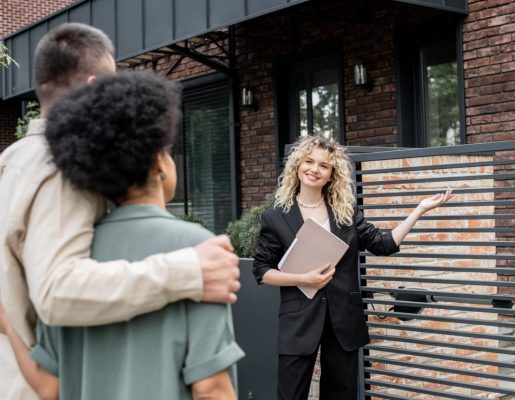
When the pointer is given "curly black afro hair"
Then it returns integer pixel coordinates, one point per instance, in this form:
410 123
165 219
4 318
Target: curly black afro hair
104 137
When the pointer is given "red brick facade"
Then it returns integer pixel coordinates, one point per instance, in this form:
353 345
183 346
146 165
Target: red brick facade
489 58
14 15
363 34
369 116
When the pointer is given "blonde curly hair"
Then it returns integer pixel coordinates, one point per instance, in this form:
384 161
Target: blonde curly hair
339 191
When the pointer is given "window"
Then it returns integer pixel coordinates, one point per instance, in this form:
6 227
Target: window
316 101
308 97
203 157
430 99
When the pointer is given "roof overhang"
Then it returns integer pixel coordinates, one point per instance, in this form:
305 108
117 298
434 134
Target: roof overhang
138 26
458 6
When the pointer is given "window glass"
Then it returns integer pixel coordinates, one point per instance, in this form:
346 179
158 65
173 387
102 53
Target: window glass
314 99
176 206
325 103
441 89
303 106
430 86
203 158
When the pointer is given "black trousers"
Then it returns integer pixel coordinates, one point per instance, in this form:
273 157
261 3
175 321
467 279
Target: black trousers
339 371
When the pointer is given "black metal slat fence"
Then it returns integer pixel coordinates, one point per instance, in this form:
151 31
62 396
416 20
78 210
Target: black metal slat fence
441 312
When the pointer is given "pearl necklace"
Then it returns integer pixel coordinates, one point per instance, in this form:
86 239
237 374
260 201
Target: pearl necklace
308 205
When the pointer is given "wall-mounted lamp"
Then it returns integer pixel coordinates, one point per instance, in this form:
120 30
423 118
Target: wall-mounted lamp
247 99
360 77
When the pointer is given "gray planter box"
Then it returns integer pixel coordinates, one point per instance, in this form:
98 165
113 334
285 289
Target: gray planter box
255 325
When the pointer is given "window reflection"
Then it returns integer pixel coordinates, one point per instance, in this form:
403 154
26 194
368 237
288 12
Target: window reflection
318 103
325 103
442 105
303 107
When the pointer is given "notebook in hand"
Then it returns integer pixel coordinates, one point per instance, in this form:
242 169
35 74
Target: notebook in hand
313 247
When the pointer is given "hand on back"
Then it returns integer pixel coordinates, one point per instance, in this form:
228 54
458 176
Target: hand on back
220 271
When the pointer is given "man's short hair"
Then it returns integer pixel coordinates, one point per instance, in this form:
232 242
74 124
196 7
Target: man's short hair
68 53
104 137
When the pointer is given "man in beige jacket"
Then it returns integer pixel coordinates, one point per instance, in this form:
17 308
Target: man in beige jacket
46 229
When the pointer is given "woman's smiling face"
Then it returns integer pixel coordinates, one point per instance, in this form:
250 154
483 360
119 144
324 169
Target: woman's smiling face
316 169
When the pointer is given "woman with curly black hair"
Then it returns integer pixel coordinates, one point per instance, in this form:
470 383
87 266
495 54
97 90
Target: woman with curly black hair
113 138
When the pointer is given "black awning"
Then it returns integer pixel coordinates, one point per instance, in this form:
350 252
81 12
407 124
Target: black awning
134 26
138 26
459 6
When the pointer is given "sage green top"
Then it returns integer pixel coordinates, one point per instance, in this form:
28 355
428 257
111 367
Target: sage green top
153 356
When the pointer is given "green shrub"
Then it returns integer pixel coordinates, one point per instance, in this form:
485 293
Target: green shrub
33 111
244 233
192 218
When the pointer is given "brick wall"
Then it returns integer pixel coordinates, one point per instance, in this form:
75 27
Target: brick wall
14 15
365 34
438 237
489 65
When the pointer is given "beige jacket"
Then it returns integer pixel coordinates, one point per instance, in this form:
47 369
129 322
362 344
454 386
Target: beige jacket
46 228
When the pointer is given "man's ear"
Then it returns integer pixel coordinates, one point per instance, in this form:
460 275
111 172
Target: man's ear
90 79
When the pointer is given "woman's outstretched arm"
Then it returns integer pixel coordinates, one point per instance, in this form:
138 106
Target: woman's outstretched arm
401 230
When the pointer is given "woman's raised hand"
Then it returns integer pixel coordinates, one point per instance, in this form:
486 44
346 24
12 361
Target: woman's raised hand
435 201
319 277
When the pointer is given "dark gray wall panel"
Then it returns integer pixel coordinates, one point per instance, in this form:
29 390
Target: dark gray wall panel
21 53
158 22
450 5
258 6
103 17
57 20
7 73
80 13
35 36
190 18
221 13
458 4
255 326
129 27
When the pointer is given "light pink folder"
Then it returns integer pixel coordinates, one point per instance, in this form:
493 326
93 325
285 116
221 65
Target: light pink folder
313 247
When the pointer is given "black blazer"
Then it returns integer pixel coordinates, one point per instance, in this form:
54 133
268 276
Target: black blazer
301 320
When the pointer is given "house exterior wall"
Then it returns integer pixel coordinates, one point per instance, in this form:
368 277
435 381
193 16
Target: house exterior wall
364 34
14 15
370 117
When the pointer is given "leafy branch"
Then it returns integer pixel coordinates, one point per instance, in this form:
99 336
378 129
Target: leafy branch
23 122
5 57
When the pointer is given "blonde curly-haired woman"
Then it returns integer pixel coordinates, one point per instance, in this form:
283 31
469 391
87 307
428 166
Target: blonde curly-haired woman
317 183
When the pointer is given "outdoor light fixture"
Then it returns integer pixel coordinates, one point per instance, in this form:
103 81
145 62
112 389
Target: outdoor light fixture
247 99
361 78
